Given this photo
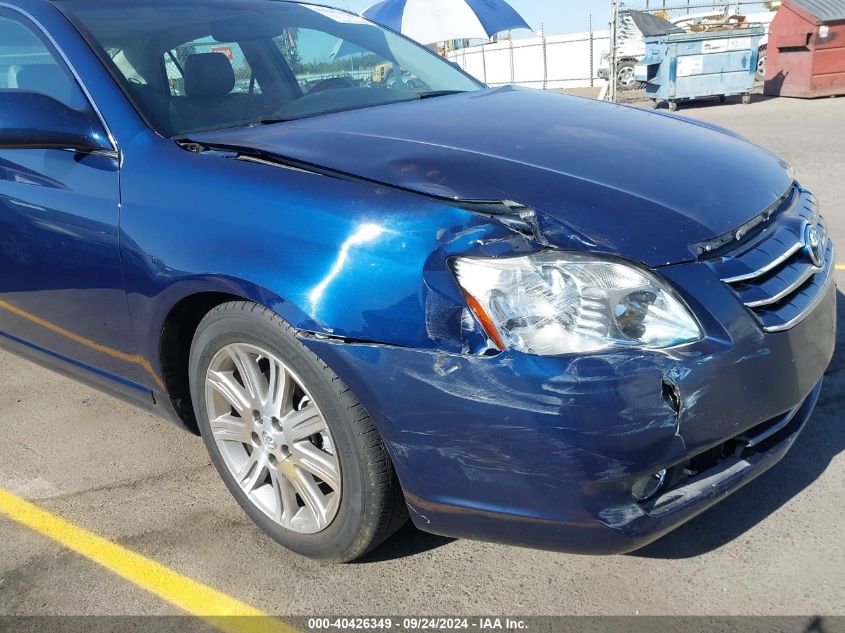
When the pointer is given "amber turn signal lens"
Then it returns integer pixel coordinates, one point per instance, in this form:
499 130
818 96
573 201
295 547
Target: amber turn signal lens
485 320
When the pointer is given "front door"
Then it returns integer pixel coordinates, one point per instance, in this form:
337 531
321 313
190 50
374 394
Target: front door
61 286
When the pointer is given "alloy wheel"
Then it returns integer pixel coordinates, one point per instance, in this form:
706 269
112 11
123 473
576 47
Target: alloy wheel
273 438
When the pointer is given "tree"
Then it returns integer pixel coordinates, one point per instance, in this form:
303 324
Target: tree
288 45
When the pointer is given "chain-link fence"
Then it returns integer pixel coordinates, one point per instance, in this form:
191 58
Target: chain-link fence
627 45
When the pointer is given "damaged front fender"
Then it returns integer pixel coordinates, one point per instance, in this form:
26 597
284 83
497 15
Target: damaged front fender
343 257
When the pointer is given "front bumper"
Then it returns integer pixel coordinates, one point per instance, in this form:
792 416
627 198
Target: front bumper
543 452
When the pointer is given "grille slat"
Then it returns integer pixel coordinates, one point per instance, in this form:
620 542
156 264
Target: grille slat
775 277
771 262
777 288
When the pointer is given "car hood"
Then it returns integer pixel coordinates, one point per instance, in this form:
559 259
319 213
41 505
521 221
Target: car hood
617 179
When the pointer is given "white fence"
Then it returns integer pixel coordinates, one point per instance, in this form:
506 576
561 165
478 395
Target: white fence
550 63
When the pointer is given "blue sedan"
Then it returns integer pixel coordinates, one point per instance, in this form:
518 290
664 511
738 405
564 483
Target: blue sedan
379 290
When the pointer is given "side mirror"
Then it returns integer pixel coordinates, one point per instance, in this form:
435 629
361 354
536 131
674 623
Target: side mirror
32 120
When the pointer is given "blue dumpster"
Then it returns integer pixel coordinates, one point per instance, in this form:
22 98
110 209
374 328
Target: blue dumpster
685 66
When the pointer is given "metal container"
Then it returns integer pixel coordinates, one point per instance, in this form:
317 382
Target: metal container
806 56
685 66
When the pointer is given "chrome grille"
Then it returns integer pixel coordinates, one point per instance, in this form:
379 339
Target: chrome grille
774 275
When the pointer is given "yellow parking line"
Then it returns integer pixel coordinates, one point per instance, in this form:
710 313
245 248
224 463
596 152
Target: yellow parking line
840 266
221 611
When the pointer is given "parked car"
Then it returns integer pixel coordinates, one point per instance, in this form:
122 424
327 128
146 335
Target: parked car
631 45
465 305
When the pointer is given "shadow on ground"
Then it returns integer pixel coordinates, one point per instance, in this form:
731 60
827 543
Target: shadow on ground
714 101
406 542
822 440
638 98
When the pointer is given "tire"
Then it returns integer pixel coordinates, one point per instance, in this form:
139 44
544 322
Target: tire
625 76
360 489
760 75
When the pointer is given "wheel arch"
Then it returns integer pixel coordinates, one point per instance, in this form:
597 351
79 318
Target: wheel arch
183 306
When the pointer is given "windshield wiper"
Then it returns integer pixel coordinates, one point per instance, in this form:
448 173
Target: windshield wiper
438 93
282 119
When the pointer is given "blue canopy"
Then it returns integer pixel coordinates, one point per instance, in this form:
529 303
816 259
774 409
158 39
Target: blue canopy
429 21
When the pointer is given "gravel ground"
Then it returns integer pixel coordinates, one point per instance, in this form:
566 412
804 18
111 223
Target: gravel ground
775 547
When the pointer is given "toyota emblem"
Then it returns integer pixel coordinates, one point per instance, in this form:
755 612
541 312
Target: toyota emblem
814 245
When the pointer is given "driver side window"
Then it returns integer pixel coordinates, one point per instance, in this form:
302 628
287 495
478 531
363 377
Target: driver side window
27 63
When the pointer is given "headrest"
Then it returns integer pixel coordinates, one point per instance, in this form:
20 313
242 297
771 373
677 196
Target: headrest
208 75
12 77
47 79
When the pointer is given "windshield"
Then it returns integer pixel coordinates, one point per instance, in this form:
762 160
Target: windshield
197 65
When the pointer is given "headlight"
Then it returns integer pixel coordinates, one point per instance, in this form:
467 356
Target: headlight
563 303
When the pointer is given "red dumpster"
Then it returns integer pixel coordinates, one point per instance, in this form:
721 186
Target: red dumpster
806 53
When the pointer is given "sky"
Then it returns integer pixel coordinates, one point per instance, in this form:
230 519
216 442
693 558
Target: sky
557 16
